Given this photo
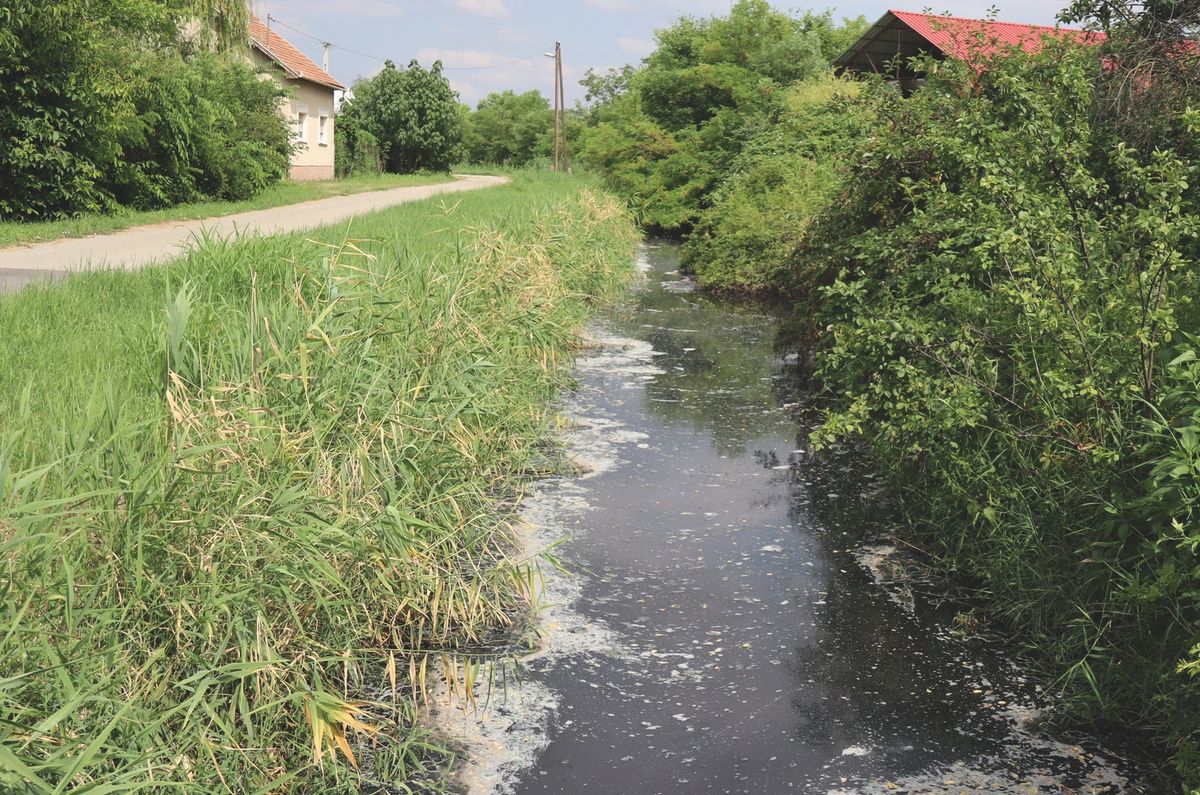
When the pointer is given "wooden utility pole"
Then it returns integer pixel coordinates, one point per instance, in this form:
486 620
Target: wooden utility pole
562 150
557 100
562 104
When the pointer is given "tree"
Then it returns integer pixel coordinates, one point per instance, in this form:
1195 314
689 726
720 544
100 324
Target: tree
509 129
666 134
413 114
604 88
356 150
56 114
107 102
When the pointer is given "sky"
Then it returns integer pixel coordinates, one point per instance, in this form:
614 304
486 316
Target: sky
493 45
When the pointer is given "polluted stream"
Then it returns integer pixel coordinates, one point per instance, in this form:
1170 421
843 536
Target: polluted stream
733 617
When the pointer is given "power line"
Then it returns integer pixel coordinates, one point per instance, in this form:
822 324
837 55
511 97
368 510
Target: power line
272 20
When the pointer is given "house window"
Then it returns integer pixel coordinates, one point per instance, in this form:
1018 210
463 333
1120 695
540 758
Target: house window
302 124
323 129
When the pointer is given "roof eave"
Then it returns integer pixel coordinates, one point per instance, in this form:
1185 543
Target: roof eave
292 74
265 50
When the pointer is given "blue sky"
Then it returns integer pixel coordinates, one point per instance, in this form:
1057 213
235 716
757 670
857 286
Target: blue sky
477 39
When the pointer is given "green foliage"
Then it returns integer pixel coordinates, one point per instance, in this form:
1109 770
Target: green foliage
783 178
56 109
414 116
356 151
206 126
666 134
509 129
271 480
106 103
1005 277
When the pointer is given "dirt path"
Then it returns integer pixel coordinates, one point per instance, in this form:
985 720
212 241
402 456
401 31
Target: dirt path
143 245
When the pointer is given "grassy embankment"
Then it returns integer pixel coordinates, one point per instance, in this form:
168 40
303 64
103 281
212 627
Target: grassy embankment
14 233
240 492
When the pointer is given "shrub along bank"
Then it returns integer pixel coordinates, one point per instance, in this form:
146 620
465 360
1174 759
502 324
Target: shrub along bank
244 490
1007 320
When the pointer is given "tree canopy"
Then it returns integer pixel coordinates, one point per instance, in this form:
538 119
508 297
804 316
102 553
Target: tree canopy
413 113
511 129
665 133
114 102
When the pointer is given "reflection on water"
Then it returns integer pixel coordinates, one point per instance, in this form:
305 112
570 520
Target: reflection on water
748 630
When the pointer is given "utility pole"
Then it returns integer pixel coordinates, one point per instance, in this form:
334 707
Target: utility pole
562 150
557 101
562 105
325 56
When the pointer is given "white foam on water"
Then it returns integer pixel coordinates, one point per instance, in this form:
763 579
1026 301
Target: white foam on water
505 736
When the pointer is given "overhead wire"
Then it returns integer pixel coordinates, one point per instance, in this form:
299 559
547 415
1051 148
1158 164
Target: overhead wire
273 21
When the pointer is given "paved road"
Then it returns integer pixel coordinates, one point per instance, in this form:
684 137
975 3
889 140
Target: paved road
143 245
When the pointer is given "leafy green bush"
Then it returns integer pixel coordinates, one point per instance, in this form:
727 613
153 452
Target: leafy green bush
248 143
666 135
1168 514
107 103
56 110
784 178
201 127
356 150
413 114
509 129
1005 279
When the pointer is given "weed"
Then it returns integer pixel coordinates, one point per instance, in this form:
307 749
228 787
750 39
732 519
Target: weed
230 518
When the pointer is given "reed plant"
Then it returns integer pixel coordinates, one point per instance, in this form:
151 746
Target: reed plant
244 493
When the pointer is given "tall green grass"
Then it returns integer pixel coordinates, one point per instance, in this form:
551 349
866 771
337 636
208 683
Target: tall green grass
240 492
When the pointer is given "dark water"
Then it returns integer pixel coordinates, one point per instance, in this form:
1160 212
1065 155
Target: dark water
749 630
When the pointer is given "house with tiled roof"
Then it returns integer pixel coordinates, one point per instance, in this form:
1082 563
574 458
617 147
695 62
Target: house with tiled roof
887 46
310 103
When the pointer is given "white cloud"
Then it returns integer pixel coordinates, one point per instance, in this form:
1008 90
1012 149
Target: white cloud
476 73
611 5
636 46
483 8
513 36
359 8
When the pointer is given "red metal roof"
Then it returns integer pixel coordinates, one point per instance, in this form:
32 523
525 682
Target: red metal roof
889 44
962 38
296 64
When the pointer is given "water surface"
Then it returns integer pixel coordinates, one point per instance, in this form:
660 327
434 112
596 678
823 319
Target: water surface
736 622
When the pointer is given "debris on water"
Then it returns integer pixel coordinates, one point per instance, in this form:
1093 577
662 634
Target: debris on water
891 572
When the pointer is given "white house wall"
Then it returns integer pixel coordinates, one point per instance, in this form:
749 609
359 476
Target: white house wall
313 155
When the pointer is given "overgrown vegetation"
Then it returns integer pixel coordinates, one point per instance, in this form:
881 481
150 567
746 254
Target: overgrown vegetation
243 496
400 121
666 135
125 103
998 276
1013 336
509 129
782 179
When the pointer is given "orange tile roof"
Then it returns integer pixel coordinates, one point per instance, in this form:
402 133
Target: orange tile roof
296 65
